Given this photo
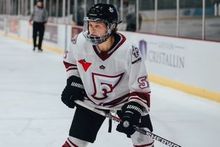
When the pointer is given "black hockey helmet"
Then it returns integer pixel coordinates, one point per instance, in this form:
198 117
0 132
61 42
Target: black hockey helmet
106 13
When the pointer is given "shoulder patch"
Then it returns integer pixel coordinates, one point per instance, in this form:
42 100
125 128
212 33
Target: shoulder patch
136 55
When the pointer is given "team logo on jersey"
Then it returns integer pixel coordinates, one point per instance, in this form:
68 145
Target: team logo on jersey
111 9
102 67
136 56
85 64
104 85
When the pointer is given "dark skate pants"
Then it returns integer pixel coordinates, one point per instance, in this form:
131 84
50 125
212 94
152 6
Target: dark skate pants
86 124
38 30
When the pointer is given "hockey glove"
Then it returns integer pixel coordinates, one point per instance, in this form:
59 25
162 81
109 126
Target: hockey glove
130 116
74 90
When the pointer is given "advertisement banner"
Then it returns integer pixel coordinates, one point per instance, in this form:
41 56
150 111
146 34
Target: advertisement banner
190 62
51 32
13 24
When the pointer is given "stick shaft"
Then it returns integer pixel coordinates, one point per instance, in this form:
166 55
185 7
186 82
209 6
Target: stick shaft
145 132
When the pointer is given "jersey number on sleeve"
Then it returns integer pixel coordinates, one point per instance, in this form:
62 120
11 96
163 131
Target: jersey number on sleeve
143 83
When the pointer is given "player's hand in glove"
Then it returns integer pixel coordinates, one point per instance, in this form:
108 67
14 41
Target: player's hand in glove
130 115
74 90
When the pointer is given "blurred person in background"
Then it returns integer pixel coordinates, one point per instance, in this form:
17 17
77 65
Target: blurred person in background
216 4
38 19
131 19
80 16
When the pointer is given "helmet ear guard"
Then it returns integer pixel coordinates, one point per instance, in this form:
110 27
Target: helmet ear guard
106 13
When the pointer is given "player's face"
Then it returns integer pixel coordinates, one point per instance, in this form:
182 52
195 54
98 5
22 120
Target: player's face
97 28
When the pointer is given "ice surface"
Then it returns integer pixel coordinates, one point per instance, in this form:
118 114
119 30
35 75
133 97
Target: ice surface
32 114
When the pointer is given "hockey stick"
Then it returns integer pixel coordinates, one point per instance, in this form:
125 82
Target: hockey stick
115 118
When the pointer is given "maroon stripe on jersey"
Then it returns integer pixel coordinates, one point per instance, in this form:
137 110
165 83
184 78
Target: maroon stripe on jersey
117 101
144 97
120 42
139 99
66 144
67 65
105 55
145 145
72 144
124 98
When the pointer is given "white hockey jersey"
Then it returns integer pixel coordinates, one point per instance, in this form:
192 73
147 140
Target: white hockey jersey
110 78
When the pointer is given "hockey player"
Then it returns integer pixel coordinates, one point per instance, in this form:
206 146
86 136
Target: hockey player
107 72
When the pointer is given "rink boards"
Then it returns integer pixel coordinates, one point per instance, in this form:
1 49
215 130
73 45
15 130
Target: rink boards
185 64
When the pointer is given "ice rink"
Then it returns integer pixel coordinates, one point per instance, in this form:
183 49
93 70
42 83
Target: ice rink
32 114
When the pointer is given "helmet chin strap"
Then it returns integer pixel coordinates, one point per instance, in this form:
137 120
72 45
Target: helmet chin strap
95 40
